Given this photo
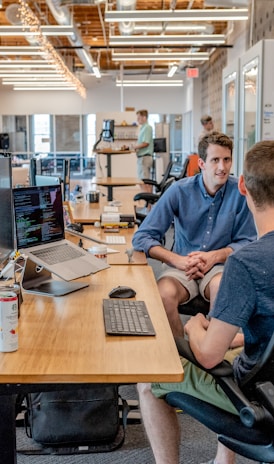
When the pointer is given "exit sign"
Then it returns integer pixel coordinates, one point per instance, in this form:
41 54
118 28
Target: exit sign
192 72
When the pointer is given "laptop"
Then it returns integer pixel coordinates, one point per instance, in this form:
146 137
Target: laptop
40 234
38 280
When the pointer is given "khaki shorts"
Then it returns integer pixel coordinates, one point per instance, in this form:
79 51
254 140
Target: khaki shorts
144 164
194 287
199 384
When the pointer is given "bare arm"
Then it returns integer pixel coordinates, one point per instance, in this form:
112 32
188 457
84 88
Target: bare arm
209 340
195 264
140 145
209 258
183 263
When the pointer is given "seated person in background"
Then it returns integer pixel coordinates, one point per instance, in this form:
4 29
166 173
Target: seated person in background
211 220
245 299
207 124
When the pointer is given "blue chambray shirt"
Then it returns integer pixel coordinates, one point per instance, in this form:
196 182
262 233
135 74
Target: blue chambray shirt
202 222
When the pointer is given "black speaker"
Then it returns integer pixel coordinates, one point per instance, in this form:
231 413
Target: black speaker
4 141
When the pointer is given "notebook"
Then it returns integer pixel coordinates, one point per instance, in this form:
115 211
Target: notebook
39 226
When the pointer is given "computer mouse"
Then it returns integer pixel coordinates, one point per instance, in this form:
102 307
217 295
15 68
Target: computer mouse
122 292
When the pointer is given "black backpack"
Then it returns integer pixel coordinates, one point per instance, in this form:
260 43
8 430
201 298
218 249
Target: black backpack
83 420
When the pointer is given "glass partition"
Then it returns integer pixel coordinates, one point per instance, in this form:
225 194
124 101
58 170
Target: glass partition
230 110
16 128
41 133
250 73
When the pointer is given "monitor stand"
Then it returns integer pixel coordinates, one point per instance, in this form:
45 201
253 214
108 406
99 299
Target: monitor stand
37 279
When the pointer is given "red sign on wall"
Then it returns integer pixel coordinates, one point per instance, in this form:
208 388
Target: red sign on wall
192 72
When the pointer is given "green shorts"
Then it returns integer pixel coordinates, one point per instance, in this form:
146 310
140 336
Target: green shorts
199 384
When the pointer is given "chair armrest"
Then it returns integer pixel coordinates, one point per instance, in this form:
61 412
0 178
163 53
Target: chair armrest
250 413
150 182
148 197
222 369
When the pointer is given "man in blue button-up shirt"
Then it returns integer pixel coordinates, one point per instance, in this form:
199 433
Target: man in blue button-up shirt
211 220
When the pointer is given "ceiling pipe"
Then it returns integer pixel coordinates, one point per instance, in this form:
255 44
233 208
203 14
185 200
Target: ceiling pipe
126 28
63 17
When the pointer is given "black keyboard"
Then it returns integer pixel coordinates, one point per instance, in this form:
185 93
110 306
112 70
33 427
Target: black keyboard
127 317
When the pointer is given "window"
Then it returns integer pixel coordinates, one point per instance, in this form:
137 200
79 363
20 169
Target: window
91 134
68 135
41 133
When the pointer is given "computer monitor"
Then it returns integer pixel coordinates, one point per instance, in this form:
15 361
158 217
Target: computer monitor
159 145
46 180
108 130
6 210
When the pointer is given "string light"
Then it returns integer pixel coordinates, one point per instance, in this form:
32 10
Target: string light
30 20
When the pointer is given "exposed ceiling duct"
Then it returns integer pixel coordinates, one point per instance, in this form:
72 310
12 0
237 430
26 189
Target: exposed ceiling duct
81 2
130 28
12 14
226 3
122 5
63 17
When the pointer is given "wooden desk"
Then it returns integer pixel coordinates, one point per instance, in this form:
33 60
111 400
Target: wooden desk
62 342
89 213
111 182
138 258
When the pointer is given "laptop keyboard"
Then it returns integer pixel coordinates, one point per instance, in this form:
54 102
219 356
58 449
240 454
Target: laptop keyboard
126 317
58 254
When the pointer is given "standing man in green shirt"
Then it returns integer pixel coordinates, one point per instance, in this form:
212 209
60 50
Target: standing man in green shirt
144 149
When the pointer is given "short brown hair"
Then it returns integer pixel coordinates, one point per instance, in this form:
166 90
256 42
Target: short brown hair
142 113
205 118
214 138
258 173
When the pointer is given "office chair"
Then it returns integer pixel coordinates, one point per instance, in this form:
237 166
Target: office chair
158 186
183 172
251 434
195 306
150 199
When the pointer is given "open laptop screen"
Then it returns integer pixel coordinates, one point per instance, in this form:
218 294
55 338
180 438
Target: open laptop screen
38 213
6 220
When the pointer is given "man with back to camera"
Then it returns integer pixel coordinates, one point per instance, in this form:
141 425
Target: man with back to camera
208 126
250 268
144 149
211 220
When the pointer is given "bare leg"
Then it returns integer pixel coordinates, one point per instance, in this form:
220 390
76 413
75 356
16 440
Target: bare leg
224 455
146 188
161 425
173 293
212 288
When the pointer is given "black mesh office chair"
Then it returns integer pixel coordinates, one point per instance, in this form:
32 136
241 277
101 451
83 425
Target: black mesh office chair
183 172
158 186
149 199
195 306
251 434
